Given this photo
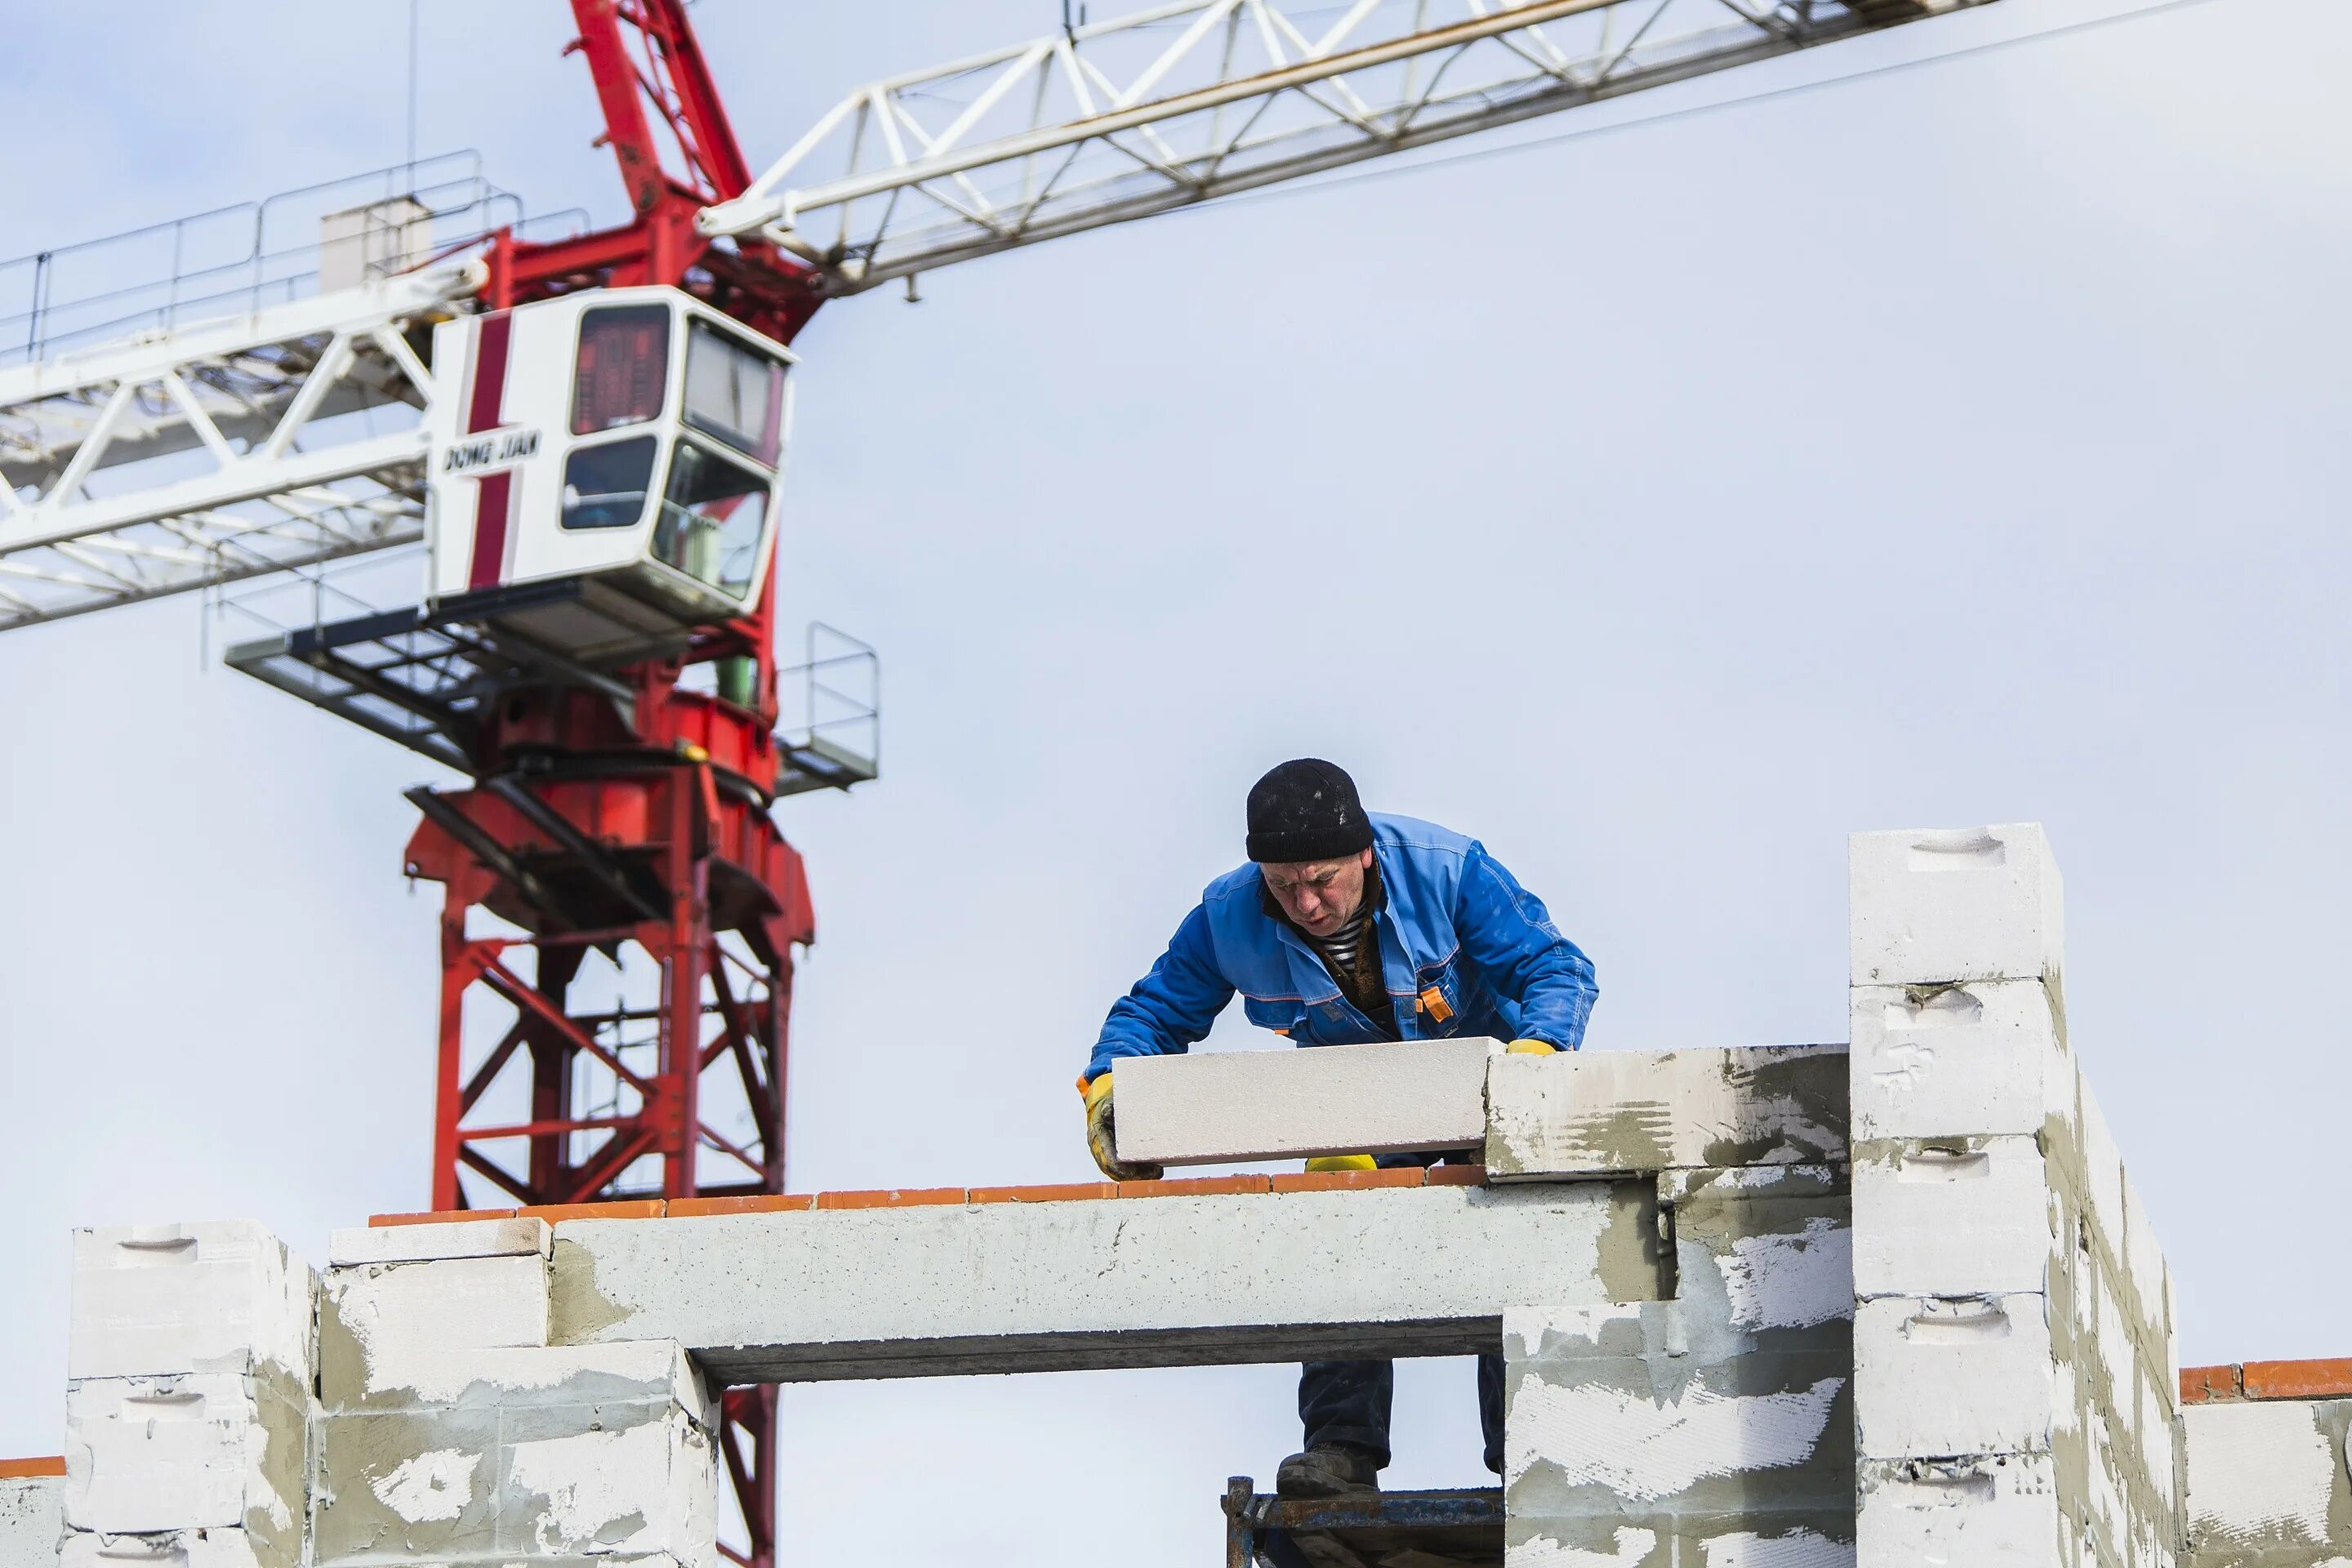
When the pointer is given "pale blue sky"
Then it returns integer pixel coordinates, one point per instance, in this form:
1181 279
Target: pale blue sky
1953 447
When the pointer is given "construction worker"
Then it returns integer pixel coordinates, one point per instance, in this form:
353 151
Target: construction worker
1346 928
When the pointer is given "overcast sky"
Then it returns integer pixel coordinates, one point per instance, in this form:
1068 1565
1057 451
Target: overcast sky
1958 445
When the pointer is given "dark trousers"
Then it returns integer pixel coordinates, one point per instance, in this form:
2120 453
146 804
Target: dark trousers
1347 1401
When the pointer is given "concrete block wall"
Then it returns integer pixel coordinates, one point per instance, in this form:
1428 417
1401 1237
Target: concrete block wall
1715 1427
189 1402
2014 1377
2269 1478
32 1511
453 1431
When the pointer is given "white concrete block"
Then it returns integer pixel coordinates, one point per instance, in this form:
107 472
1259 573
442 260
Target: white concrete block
1986 1057
2144 1262
956 1288
2103 1171
1227 1105
1937 1376
1960 1218
2268 1474
200 1450
568 1452
219 1297
31 1519
402 1317
427 1243
179 1549
1931 906
1983 1512
1594 1112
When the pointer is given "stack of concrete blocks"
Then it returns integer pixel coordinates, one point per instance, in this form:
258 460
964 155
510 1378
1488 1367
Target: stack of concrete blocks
1711 1423
453 1431
31 1514
2015 1385
2270 1469
188 1400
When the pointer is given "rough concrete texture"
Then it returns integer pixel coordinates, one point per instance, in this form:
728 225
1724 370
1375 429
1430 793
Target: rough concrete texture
943 1289
152 1300
396 1327
1713 1428
535 1454
1228 1106
1986 1511
1596 1113
2269 1485
1933 1061
453 1431
31 1519
429 1243
202 1450
1938 906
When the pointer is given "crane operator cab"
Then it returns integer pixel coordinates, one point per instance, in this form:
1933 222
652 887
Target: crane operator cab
604 478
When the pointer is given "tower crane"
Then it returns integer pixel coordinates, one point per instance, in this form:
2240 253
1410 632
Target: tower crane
586 432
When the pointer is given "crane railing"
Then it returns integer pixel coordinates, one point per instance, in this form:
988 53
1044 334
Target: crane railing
1123 119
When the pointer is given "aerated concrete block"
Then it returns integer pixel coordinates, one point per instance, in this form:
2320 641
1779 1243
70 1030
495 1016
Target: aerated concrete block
1963 1216
1939 1375
199 1450
1969 1511
1938 906
1602 1112
1712 1429
1952 1060
1228 1106
148 1300
525 1454
383 1326
178 1549
2268 1484
431 1242
31 1519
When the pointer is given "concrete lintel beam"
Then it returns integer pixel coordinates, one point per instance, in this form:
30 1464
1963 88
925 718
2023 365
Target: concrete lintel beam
954 1289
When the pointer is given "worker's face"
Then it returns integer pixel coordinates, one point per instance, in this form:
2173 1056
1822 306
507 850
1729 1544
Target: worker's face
1319 895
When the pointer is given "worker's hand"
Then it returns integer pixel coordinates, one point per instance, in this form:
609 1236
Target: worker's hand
1102 1138
1342 1162
1530 1049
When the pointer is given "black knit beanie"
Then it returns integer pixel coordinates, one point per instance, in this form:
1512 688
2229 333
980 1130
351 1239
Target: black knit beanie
1306 810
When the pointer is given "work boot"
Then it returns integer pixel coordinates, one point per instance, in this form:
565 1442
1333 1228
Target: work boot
1328 1470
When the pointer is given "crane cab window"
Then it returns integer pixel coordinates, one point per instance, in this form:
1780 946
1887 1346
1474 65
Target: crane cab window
624 368
713 522
605 486
734 392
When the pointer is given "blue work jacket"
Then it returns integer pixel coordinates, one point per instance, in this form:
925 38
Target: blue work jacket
1463 948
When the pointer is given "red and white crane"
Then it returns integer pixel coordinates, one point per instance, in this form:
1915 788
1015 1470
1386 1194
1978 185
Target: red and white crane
585 434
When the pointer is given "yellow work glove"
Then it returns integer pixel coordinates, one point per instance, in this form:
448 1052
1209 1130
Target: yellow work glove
1342 1162
1530 1049
1102 1138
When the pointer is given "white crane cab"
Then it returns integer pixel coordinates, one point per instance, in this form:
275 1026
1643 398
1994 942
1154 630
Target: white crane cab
603 477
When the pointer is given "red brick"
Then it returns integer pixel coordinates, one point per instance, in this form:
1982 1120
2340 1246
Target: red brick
743 1203
18 1469
1457 1175
1195 1187
627 1208
2299 1379
2204 1385
445 1217
1067 1192
890 1198
1345 1181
